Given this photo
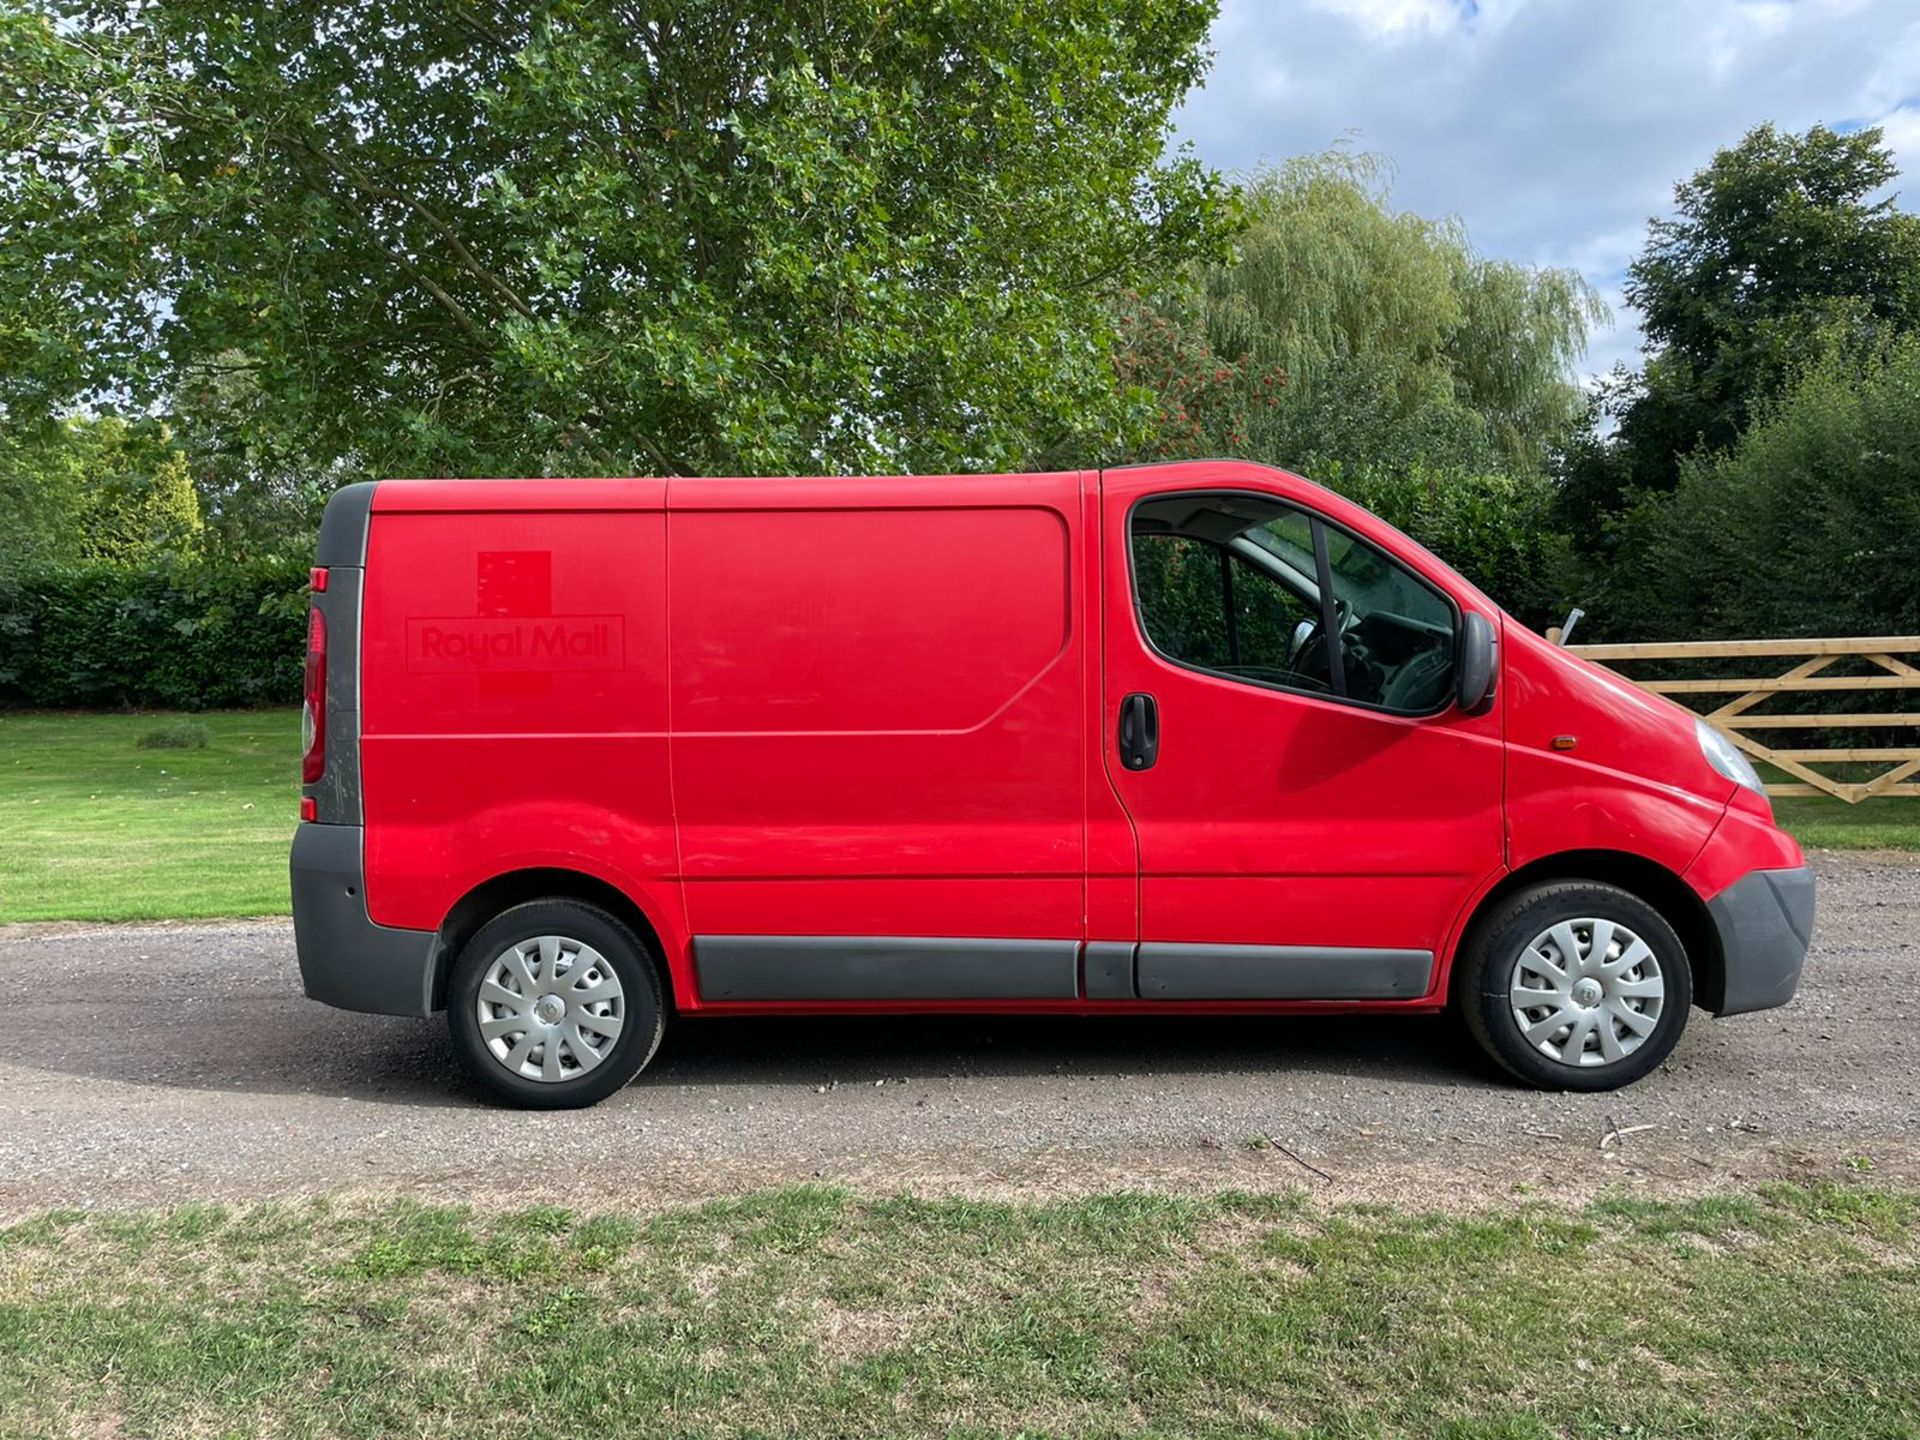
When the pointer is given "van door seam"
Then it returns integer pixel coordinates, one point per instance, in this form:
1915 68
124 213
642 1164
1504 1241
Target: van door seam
673 793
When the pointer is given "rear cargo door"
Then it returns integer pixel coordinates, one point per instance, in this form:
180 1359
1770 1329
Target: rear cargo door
514 700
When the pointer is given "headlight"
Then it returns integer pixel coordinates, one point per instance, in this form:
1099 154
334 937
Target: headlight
1722 754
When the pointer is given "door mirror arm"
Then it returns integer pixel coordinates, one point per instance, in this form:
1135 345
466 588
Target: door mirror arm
1476 664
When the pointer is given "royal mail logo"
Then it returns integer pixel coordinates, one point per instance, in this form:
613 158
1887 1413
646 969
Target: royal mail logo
473 645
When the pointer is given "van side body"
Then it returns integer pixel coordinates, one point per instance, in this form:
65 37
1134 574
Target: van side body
981 743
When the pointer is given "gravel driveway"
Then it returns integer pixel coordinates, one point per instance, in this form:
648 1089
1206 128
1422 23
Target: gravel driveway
175 1061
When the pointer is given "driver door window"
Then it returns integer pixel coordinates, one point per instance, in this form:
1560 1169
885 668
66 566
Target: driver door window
1230 584
1205 606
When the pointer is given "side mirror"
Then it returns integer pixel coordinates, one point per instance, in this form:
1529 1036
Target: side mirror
1476 664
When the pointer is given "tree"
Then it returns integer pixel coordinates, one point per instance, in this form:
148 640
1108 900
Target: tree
95 489
1378 353
42 498
261 496
713 235
1773 244
1192 401
1363 336
1809 524
138 512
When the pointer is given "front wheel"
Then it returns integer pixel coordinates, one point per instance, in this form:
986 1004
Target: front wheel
554 1005
1575 985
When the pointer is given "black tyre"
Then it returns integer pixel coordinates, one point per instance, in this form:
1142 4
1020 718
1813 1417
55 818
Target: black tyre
554 1005
1575 985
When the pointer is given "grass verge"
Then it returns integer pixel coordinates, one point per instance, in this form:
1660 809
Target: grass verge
1820 823
807 1312
94 826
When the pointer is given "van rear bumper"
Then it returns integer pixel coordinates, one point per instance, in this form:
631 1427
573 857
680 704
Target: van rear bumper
345 959
1765 921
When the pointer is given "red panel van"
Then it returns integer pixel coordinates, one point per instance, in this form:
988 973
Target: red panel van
1199 737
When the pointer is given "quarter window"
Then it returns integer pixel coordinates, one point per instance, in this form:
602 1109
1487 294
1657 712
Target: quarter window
1231 584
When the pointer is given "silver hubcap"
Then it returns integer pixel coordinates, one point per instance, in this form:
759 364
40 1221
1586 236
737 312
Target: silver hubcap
1587 992
550 1008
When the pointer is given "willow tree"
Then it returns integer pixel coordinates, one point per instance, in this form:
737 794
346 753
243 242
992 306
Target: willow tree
670 235
1392 340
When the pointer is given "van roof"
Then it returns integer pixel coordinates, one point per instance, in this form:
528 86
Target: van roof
649 492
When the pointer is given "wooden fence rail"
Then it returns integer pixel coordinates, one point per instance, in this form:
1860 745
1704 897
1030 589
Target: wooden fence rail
1738 716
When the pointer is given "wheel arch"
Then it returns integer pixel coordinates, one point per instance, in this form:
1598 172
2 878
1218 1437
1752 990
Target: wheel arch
1651 881
515 887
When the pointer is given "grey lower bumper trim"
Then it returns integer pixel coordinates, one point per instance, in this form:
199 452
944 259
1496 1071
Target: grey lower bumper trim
832 967
1281 972
1765 922
345 959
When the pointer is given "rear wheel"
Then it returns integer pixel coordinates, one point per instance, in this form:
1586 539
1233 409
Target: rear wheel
555 1004
1575 985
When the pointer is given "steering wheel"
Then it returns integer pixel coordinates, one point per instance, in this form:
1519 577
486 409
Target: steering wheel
1307 657
1416 687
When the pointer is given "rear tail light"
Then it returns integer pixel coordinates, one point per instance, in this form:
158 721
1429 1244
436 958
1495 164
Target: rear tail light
313 714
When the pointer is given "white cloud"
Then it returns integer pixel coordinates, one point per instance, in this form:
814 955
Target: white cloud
1555 128
1388 17
1901 129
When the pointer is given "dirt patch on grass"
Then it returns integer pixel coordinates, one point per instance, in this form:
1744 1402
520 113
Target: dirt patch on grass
852 1335
1235 1231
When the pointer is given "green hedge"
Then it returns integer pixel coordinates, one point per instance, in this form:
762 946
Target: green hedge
187 637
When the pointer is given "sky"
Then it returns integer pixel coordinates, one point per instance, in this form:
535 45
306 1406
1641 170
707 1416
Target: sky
1553 128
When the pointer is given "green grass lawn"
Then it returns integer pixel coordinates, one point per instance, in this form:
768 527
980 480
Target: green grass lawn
1824 824
92 827
809 1312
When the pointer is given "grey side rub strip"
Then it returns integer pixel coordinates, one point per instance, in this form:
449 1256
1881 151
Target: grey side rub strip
837 967
1281 972
832 967
1107 970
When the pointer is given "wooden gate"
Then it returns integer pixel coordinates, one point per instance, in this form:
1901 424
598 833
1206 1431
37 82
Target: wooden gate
1875 663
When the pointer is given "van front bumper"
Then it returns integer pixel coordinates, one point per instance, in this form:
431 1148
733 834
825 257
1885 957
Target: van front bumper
1765 921
345 959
